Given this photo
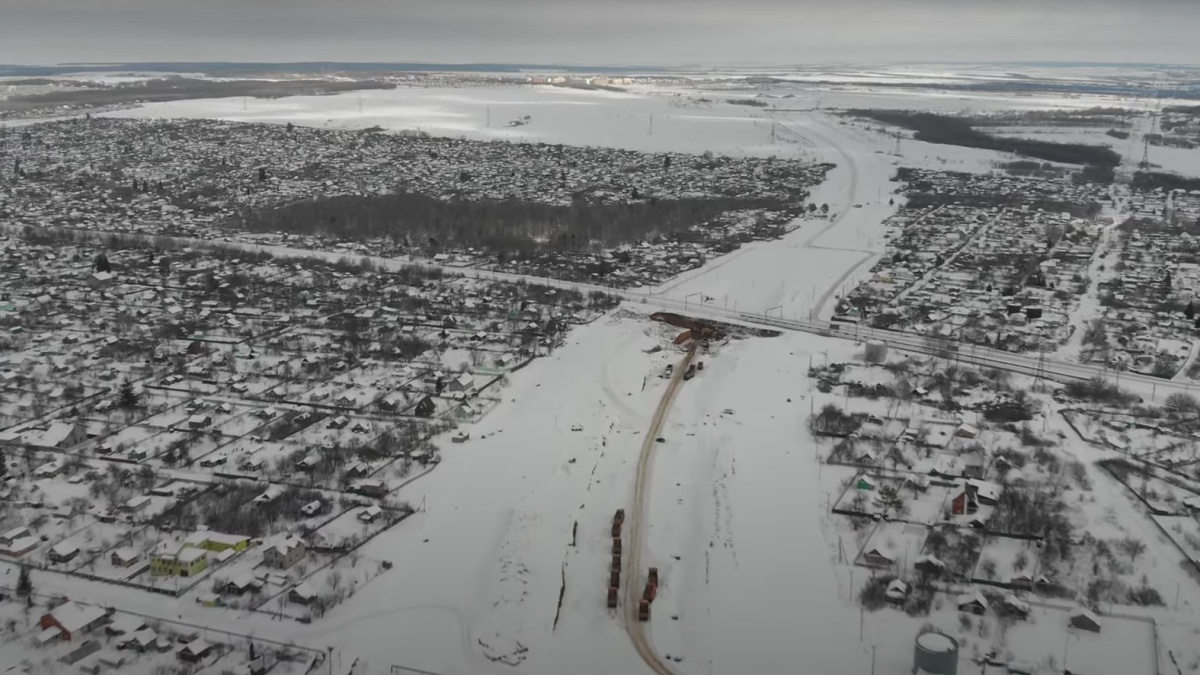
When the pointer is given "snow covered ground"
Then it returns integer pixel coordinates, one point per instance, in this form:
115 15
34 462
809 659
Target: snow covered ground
519 514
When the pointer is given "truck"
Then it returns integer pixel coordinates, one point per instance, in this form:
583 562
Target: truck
670 370
643 611
616 546
650 592
612 597
654 575
690 372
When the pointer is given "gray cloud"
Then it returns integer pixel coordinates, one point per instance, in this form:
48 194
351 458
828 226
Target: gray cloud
600 31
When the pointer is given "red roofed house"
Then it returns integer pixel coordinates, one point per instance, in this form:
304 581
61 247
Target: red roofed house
74 619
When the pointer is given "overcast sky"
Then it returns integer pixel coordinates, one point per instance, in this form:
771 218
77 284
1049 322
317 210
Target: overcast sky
648 32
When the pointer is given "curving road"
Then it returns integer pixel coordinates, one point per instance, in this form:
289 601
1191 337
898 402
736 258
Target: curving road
634 581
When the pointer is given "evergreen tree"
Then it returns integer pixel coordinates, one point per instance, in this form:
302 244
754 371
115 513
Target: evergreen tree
102 264
24 583
1189 312
128 398
3 466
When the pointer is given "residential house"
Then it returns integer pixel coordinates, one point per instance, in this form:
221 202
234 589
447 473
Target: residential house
1015 606
370 514
370 487
284 554
929 565
17 542
170 560
972 602
142 640
1084 619
312 508
63 552
195 651
302 594
897 592
124 557
878 557
463 383
242 585
199 421
73 619
62 435
425 407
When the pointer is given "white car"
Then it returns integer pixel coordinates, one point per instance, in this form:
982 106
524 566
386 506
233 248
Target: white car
576 427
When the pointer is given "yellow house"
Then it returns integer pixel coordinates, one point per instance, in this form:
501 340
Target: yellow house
216 541
184 561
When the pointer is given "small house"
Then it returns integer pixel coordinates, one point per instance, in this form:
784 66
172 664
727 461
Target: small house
63 552
929 565
199 421
370 487
972 603
312 508
1084 619
1015 606
284 554
897 592
879 557
73 619
425 407
195 651
302 594
370 514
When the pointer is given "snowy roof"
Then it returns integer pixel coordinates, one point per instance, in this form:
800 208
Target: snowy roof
57 433
935 642
972 597
73 616
65 548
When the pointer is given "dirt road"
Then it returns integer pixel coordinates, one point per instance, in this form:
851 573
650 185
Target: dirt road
634 575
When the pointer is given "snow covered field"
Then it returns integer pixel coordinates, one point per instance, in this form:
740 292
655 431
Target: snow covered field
504 567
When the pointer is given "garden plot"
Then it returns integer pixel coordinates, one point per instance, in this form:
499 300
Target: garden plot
1184 531
958 548
892 545
870 495
331 580
1008 561
356 525
136 442
1161 496
1121 646
257 455
196 386
357 432
89 535
929 506
243 419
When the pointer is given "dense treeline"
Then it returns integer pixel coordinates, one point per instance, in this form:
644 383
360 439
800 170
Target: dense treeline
1092 117
921 200
1150 180
183 88
510 225
946 130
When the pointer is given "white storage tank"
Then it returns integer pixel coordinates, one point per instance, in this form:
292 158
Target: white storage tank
935 654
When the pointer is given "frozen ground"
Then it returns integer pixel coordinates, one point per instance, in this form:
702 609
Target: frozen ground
519 513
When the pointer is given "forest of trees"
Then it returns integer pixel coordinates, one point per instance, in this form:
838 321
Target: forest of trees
511 226
946 130
183 88
1150 180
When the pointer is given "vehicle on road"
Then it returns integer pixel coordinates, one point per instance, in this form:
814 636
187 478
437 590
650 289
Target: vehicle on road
644 611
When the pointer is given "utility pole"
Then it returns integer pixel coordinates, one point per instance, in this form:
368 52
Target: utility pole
489 116
872 659
651 132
